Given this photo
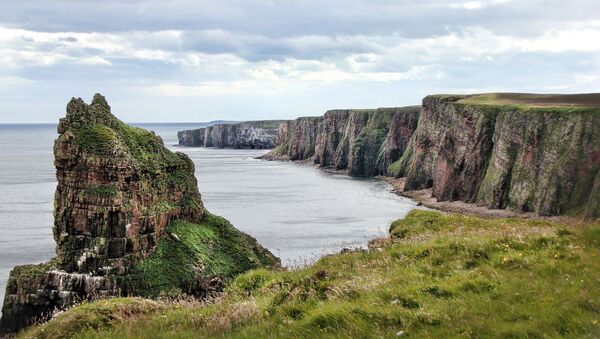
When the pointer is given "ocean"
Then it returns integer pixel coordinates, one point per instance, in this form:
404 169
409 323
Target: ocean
298 212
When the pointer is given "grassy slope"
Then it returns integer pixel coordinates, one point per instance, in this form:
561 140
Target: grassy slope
442 275
212 247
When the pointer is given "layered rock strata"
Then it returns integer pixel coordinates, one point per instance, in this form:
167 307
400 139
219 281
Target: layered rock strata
249 134
528 153
362 142
121 195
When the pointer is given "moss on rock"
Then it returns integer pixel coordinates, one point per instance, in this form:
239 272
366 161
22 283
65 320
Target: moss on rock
192 251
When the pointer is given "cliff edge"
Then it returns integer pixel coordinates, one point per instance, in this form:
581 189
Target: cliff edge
523 152
128 220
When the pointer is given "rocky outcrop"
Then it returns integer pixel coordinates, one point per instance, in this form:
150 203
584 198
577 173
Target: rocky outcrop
517 152
249 134
118 188
120 195
362 142
404 123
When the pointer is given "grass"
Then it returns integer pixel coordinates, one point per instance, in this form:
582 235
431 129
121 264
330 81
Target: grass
102 191
97 139
113 137
437 276
534 100
212 247
25 273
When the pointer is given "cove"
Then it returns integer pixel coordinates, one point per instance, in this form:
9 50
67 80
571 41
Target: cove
295 210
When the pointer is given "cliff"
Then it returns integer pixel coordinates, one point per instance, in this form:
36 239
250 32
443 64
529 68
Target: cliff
296 139
524 152
249 134
363 142
128 220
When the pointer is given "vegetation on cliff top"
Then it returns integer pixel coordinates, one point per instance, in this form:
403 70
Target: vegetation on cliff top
144 147
528 100
439 275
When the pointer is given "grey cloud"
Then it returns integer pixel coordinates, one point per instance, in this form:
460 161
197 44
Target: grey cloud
278 19
256 48
68 39
283 40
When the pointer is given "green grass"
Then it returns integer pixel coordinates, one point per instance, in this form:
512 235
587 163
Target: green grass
26 273
212 247
88 317
518 102
438 276
534 100
97 139
113 137
102 191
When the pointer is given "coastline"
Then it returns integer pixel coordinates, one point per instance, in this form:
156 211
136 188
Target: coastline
424 198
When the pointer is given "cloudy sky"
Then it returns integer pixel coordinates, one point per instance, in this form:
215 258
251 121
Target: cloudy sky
191 60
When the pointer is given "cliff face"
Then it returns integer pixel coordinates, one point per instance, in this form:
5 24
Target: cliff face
363 142
120 195
522 155
118 188
296 139
249 134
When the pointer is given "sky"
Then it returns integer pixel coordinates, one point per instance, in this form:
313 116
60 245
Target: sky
199 60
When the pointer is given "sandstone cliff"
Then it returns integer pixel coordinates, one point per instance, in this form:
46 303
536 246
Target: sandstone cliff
128 220
249 134
531 153
296 139
363 142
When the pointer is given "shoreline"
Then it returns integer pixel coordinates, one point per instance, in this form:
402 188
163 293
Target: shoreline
424 198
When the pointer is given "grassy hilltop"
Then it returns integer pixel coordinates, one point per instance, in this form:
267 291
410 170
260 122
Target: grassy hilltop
439 275
535 100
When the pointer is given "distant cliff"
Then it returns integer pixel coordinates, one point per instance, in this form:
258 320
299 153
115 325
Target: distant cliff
129 220
260 134
532 153
523 152
363 142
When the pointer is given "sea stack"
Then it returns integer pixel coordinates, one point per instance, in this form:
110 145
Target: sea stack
122 194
